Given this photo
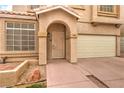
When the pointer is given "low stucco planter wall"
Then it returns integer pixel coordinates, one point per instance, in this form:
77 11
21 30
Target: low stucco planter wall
10 77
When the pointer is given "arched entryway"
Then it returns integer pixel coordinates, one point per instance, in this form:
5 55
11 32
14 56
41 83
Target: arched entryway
57 41
57 25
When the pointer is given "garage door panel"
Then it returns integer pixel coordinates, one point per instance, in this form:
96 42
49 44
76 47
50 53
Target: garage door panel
95 46
122 44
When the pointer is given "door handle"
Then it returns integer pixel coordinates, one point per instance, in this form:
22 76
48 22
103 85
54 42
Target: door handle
53 46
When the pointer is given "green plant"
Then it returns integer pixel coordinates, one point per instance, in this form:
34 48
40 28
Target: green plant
36 86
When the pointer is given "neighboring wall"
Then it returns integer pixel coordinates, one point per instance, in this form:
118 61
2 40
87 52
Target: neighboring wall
20 8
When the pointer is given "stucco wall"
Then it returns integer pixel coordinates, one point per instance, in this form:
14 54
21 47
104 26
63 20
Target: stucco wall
85 13
102 29
11 77
57 15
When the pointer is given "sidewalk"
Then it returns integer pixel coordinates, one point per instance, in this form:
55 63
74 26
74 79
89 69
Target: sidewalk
61 74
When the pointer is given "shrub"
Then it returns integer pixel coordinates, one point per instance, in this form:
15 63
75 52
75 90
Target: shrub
36 86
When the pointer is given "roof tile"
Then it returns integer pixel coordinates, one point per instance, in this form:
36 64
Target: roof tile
17 13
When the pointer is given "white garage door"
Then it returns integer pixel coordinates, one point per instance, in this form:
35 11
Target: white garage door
96 46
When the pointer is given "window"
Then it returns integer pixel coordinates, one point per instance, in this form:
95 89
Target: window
35 6
20 36
108 10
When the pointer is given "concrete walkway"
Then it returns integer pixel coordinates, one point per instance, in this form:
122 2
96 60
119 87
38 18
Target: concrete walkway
61 74
110 71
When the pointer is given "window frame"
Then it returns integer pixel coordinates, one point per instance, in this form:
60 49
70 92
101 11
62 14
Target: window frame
34 6
109 14
21 29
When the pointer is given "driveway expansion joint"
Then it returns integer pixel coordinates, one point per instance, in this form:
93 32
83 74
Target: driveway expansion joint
97 81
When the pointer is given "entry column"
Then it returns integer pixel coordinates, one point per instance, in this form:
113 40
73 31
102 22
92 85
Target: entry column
73 48
42 48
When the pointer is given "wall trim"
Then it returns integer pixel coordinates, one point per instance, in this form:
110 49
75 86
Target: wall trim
98 34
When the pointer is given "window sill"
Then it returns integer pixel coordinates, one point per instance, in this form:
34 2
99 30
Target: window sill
15 54
105 14
77 7
19 52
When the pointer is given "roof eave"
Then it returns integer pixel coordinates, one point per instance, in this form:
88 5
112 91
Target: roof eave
17 16
58 7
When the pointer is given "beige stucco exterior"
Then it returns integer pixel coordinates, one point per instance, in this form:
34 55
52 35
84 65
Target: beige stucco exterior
89 23
57 16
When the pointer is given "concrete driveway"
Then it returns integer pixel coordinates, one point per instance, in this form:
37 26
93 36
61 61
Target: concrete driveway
106 72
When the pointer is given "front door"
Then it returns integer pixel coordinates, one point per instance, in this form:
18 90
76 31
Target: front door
58 44
56 41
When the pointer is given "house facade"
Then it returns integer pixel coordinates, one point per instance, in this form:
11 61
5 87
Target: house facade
67 32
